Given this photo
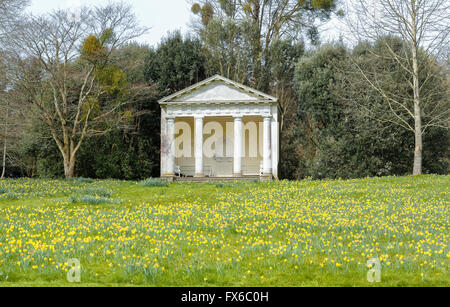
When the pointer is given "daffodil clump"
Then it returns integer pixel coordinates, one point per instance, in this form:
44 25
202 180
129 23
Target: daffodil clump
242 234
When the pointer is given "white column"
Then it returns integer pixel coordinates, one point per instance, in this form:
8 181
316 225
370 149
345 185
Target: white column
267 156
275 146
237 170
170 171
198 145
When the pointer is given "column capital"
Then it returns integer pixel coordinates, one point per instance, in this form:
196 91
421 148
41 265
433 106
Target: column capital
199 116
238 117
171 117
267 116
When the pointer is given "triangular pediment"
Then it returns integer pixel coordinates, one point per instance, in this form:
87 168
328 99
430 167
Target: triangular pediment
217 89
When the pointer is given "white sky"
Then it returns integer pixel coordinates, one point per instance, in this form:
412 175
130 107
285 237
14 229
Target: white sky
161 16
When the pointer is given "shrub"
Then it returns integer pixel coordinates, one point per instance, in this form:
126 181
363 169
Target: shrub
222 184
96 200
154 182
95 192
73 199
9 196
81 180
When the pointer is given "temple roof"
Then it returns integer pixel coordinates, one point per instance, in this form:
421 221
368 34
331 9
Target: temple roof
217 89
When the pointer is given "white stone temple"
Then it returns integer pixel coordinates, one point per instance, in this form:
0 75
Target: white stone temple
219 128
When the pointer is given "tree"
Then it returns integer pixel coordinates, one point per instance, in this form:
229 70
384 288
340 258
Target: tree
176 64
423 26
333 139
270 20
64 71
13 124
282 59
366 102
10 14
5 120
130 152
226 45
321 117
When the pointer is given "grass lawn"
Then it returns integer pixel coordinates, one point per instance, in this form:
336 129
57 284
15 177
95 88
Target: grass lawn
306 233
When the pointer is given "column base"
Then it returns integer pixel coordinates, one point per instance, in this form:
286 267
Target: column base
266 177
169 175
197 175
237 175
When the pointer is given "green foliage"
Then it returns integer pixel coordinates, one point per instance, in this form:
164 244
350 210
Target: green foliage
261 23
227 48
322 134
176 64
196 8
7 194
91 107
154 182
93 48
206 12
112 79
47 160
80 180
132 59
333 139
120 155
96 200
133 152
92 194
224 184
95 191
129 151
323 4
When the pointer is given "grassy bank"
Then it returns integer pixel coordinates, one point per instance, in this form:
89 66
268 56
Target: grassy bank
307 233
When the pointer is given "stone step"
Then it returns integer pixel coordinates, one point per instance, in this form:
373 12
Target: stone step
214 179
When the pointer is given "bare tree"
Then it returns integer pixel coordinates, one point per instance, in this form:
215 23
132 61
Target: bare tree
423 26
269 20
63 68
11 118
10 13
5 122
11 128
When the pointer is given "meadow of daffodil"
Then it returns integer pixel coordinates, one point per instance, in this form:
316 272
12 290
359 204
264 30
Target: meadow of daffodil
280 233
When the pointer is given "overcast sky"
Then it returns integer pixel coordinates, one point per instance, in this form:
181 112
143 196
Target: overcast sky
161 16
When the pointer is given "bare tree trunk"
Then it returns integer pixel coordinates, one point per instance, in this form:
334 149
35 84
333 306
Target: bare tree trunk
54 40
69 166
424 25
417 169
4 142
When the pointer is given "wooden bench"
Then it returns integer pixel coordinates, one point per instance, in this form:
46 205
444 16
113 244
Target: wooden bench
189 170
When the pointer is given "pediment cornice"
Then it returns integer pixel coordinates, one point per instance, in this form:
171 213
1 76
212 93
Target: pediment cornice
218 90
